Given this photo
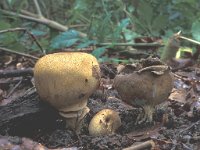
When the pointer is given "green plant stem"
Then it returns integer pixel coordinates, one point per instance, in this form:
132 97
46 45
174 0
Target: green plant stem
170 49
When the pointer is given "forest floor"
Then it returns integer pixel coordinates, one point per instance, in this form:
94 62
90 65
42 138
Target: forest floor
180 130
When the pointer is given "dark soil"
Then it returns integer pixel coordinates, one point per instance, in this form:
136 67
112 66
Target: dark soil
177 129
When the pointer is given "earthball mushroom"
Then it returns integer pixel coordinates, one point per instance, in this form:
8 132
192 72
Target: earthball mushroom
145 88
105 122
66 80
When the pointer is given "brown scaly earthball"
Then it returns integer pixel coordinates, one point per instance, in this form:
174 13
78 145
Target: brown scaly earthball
145 88
66 80
105 122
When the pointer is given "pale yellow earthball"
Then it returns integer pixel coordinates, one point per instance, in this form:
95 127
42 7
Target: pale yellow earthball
66 80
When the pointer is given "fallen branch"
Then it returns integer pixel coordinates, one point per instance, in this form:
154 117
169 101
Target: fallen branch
16 73
155 44
146 145
27 13
45 21
26 113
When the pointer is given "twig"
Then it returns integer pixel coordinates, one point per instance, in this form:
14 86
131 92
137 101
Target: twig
146 145
178 36
190 40
186 147
12 30
18 53
45 21
196 138
16 73
132 44
38 9
78 25
188 128
178 76
24 12
28 32
30 91
10 81
13 89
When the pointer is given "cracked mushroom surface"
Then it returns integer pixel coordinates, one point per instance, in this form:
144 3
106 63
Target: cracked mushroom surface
66 80
145 88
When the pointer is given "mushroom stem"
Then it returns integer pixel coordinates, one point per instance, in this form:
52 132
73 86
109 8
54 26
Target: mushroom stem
148 113
74 119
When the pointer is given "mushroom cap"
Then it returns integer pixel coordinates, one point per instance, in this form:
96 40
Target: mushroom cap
145 88
67 79
105 122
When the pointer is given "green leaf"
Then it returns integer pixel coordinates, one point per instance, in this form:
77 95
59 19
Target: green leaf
196 30
80 5
116 60
158 24
99 51
8 38
129 34
131 9
17 47
182 50
124 23
4 25
87 43
103 59
122 26
145 12
168 33
38 32
10 2
65 39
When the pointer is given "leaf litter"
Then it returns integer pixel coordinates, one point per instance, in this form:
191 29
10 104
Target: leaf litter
179 130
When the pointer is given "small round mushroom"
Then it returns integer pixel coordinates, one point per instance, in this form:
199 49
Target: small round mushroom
105 122
66 80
